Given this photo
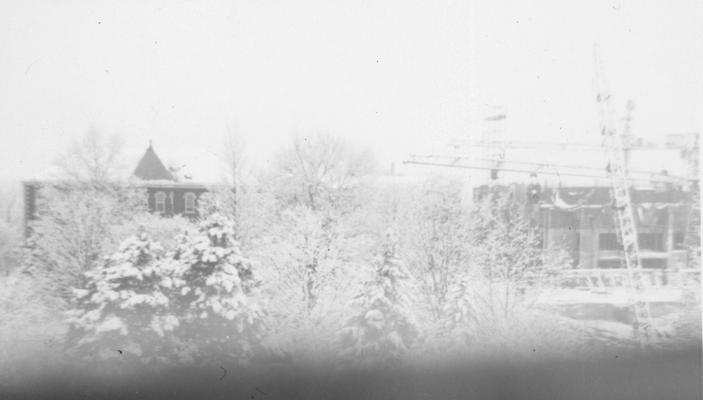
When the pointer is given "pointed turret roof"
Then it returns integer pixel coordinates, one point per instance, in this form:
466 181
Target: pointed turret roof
150 167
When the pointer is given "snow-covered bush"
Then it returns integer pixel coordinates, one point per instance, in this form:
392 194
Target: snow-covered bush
215 294
163 230
382 326
31 329
10 241
123 308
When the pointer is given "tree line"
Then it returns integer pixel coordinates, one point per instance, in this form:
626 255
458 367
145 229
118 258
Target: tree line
316 259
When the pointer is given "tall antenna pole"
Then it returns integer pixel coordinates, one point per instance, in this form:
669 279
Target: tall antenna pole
494 133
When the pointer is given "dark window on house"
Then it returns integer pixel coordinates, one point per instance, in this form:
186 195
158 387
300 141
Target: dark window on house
679 238
651 241
608 241
189 198
160 202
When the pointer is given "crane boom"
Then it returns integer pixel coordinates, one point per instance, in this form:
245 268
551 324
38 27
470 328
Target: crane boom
625 221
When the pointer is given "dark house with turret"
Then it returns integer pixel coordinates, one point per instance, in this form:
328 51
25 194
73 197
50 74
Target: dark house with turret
166 194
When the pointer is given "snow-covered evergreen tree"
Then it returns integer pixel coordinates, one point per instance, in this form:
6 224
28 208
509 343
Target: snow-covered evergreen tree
215 294
382 327
457 329
123 310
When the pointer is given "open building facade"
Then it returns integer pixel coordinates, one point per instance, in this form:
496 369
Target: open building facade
580 218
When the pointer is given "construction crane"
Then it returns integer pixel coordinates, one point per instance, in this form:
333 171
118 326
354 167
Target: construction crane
626 134
691 153
529 167
625 221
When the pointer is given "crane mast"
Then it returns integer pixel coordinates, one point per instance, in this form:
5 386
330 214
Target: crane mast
616 168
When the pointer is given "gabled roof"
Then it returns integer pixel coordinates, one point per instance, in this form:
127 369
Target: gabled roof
151 168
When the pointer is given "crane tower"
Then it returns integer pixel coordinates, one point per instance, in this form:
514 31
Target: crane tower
616 168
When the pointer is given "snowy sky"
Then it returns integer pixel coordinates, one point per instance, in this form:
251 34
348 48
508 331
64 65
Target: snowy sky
396 75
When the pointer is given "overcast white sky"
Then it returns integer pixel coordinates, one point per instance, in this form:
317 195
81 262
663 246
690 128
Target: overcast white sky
394 74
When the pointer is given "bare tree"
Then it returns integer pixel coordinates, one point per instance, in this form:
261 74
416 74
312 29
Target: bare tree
491 299
75 228
311 240
10 206
319 170
10 227
233 154
94 158
75 217
320 174
434 228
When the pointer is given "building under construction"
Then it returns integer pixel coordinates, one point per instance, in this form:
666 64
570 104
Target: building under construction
581 220
574 205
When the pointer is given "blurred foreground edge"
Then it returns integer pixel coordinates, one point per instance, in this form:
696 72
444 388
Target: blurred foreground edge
660 375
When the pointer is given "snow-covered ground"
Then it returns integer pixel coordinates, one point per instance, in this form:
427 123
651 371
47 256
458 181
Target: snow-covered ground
615 296
606 317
